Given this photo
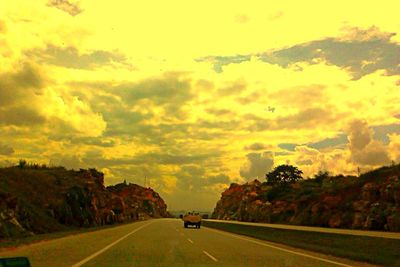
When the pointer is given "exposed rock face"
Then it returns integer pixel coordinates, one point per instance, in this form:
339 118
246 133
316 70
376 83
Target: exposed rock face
35 200
370 202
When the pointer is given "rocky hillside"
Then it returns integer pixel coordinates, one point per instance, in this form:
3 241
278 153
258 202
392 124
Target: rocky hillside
36 200
371 201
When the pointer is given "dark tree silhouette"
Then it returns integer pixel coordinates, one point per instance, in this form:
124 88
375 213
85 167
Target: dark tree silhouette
321 176
283 175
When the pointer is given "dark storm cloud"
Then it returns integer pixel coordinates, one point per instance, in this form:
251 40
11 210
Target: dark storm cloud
65 6
362 52
6 150
70 57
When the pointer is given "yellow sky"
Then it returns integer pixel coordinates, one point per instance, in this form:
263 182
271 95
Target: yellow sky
196 96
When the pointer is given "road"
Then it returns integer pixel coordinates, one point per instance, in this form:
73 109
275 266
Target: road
165 242
392 235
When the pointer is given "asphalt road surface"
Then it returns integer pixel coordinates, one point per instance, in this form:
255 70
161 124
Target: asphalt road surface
165 242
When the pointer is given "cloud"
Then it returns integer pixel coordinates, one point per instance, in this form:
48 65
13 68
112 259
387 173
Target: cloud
257 146
242 18
71 57
20 91
235 88
309 117
394 147
220 61
358 51
301 119
21 116
220 112
66 6
257 165
365 52
94 141
193 178
149 158
364 149
23 83
300 96
3 27
6 150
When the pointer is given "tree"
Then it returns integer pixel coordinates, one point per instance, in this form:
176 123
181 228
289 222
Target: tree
22 163
283 175
321 176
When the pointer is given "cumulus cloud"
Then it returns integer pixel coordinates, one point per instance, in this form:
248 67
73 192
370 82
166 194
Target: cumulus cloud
257 165
394 147
6 150
66 6
311 161
364 149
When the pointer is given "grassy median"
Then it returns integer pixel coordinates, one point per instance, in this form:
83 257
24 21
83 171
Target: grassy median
375 250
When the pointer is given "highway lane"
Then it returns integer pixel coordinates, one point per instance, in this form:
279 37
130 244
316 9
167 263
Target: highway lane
165 242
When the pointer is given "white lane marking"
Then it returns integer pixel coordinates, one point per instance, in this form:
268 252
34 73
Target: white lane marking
279 248
190 240
210 256
108 246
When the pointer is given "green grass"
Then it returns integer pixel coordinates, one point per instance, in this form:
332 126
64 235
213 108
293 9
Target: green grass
375 250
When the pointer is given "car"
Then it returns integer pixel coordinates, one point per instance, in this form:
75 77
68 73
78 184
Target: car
192 219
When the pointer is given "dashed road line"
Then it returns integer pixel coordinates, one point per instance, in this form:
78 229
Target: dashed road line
210 256
108 246
279 248
191 241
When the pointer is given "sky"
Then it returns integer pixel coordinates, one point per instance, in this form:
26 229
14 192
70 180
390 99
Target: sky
197 95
